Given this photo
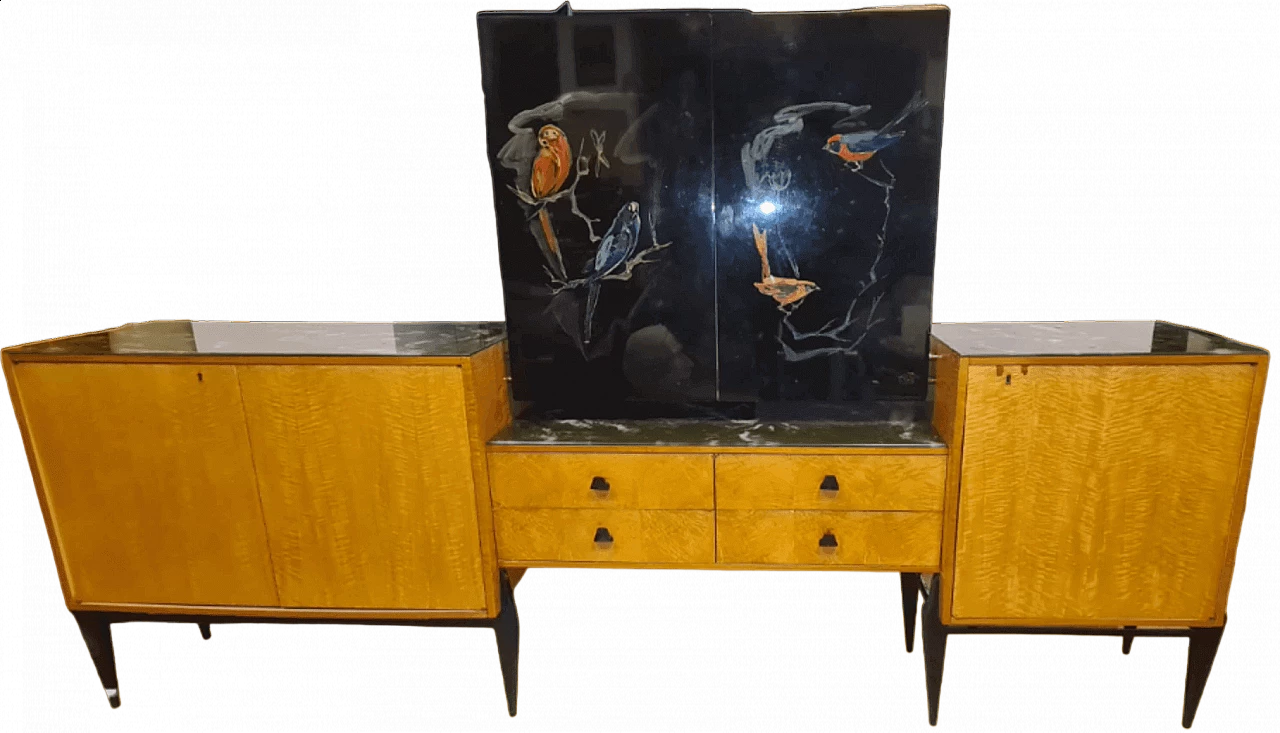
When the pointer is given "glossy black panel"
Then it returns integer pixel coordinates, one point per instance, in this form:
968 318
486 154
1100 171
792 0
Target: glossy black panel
599 129
828 140
647 164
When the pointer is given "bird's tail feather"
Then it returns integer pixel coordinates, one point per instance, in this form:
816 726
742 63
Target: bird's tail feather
553 244
593 296
762 246
917 103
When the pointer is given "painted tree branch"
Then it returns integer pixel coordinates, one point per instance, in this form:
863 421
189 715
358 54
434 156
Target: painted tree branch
835 330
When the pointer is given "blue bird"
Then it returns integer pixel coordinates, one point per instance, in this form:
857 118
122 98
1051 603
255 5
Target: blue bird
616 247
858 146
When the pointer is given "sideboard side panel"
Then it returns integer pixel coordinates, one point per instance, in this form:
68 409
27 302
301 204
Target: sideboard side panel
488 411
1098 495
1242 486
366 484
951 383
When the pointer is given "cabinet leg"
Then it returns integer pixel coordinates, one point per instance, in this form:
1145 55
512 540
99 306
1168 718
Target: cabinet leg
97 637
506 628
910 598
1127 642
934 638
1201 650
205 631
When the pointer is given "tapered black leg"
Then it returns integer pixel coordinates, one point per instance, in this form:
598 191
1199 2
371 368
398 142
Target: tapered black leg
934 638
1201 650
506 628
205 631
97 636
910 598
1127 644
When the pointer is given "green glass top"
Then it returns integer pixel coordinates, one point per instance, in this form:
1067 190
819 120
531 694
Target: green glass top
259 338
720 433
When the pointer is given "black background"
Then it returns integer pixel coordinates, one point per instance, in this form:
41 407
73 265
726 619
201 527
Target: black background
242 166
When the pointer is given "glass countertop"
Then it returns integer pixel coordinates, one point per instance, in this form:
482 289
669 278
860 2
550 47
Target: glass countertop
262 338
1084 338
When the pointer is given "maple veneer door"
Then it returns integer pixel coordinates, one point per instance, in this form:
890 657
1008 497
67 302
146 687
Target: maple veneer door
1095 495
365 477
148 482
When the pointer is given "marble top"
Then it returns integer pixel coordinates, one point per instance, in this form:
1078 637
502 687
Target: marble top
1084 338
720 433
279 338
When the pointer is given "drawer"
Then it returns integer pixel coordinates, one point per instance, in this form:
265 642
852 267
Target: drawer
637 535
881 540
860 482
620 480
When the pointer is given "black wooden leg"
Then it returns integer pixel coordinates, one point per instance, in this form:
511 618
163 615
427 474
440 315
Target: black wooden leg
97 636
1127 644
506 628
1201 650
934 638
205 631
910 597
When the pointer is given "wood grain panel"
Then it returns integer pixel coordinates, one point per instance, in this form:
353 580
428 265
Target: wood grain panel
951 382
1242 486
879 540
640 535
873 483
488 411
1096 495
148 482
636 481
366 484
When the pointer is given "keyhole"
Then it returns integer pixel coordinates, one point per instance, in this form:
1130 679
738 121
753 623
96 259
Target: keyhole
199 376
1008 379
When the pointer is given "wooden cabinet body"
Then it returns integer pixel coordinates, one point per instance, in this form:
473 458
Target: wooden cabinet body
1094 491
717 506
283 486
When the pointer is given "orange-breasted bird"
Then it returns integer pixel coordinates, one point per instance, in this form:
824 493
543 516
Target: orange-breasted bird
858 146
785 290
550 170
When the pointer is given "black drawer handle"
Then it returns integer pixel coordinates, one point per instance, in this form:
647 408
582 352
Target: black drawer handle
829 485
603 539
599 485
828 542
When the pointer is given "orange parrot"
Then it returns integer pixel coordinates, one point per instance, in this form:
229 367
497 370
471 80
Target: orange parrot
550 170
785 290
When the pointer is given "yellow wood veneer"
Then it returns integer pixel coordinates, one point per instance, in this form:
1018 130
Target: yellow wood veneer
648 536
1098 494
906 541
366 485
866 482
635 480
144 469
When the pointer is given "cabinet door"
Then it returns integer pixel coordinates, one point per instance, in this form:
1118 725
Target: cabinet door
365 477
1095 495
148 482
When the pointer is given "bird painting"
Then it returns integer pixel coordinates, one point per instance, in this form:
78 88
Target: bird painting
550 170
857 146
784 290
616 247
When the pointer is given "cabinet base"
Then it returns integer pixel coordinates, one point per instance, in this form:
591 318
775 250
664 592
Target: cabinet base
95 627
1202 646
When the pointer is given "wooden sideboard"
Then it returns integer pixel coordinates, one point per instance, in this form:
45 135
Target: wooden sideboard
1067 478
